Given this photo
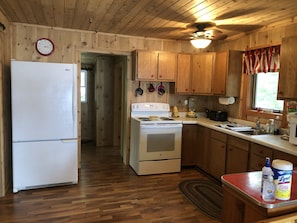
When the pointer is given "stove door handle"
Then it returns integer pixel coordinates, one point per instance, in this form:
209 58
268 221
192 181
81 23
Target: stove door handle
163 125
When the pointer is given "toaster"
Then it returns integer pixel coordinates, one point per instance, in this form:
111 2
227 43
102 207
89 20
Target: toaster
218 116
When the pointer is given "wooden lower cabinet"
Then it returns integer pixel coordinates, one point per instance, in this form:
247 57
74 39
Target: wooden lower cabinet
189 145
238 209
216 154
237 155
285 156
202 146
258 153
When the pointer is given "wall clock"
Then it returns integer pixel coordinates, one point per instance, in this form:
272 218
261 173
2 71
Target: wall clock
44 46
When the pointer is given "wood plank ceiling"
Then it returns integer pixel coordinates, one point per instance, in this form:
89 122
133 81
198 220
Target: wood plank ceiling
168 19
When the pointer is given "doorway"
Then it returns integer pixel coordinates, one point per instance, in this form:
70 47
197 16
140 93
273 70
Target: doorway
102 117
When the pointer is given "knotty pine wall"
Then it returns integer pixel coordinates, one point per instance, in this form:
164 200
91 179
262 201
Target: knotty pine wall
266 36
5 111
106 86
70 43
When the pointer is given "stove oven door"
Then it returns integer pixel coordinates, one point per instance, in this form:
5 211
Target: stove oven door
160 141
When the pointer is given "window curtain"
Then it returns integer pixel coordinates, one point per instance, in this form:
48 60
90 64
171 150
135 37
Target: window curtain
262 60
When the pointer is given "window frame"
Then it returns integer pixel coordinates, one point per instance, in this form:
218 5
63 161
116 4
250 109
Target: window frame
254 86
84 86
249 114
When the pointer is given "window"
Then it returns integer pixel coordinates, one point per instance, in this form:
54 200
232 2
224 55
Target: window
265 92
83 85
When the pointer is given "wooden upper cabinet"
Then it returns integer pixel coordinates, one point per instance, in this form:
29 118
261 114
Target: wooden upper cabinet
153 66
167 66
287 85
227 73
145 65
202 72
183 78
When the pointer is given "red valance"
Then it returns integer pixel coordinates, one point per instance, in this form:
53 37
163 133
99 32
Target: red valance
262 60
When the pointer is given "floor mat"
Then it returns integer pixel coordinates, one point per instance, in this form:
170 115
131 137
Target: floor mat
207 196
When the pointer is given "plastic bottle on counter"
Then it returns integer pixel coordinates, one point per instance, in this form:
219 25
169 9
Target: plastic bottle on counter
267 186
266 171
271 126
267 127
268 193
276 126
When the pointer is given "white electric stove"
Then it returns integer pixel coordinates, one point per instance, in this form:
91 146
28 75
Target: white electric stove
155 142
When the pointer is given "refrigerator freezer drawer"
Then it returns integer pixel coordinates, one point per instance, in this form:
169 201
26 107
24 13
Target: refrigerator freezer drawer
44 163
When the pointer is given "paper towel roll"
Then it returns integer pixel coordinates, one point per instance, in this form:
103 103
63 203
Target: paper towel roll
231 100
226 100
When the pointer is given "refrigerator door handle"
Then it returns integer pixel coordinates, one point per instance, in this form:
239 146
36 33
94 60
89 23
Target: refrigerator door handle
68 140
73 102
74 97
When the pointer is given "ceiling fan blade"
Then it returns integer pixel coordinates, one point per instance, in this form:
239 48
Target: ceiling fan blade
237 13
239 27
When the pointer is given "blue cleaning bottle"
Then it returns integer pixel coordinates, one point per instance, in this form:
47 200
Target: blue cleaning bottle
268 186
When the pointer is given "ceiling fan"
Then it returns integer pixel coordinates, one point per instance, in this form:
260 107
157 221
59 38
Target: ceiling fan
203 36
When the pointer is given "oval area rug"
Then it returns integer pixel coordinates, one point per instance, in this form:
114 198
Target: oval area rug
207 196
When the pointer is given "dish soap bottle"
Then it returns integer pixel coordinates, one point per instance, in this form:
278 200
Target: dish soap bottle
276 126
268 187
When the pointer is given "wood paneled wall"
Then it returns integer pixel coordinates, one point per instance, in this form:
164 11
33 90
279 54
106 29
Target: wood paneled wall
264 37
5 111
70 43
104 91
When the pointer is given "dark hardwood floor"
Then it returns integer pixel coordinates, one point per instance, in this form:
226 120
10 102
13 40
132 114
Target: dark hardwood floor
108 191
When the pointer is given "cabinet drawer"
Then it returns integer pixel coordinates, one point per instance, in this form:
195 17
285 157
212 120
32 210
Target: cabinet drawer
261 151
285 156
218 136
256 162
238 143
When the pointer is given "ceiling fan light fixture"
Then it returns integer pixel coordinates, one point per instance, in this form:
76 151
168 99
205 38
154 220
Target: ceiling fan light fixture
200 42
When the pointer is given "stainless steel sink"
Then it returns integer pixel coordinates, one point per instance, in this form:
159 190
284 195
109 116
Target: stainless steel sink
253 132
246 130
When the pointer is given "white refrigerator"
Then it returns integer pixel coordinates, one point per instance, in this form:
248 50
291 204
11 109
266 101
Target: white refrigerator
44 124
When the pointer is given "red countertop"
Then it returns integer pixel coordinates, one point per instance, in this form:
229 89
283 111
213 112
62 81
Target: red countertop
249 185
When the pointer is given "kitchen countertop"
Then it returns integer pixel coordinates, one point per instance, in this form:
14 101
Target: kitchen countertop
249 186
269 140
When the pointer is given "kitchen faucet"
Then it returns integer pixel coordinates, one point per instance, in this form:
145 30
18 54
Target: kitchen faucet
258 124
